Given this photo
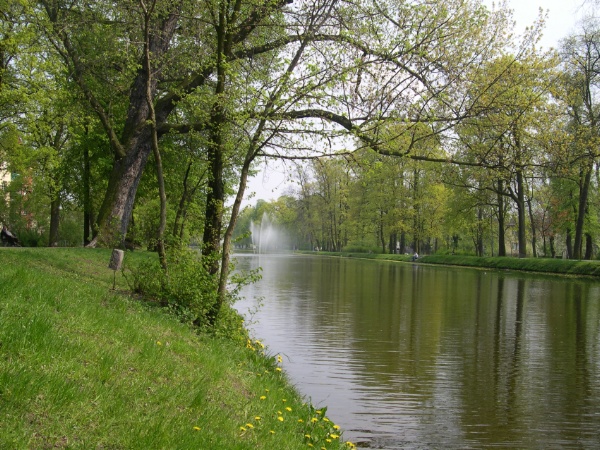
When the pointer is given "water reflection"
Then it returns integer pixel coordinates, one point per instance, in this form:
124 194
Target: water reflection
409 356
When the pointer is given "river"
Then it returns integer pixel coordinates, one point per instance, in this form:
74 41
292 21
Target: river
408 356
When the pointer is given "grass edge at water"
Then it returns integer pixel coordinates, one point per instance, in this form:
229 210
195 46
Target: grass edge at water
82 366
538 265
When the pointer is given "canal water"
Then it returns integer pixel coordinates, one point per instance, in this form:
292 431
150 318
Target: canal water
407 356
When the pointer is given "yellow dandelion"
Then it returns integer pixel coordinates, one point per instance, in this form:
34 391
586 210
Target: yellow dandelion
300 421
279 359
314 419
262 397
280 418
334 436
287 408
242 429
249 425
336 427
325 419
257 418
158 343
266 390
318 411
283 400
272 432
279 412
278 369
197 428
328 441
307 436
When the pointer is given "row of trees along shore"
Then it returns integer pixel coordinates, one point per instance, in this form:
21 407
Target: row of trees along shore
420 124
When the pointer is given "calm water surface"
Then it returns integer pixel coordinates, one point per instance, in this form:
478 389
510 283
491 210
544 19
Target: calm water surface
410 356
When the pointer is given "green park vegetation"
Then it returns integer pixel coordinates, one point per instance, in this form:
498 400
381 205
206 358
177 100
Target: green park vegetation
419 125
85 366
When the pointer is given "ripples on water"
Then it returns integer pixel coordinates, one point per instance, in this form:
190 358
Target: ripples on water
407 356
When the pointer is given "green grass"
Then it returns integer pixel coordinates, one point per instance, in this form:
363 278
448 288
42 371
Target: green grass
541 265
83 366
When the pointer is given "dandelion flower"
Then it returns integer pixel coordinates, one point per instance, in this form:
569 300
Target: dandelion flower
263 397
334 436
257 418
278 369
158 343
279 359
280 418
249 425
242 429
314 419
272 432
318 411
336 427
307 436
300 421
283 400
197 428
287 408
328 441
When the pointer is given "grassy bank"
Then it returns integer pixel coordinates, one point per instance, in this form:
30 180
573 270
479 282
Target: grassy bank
541 265
83 366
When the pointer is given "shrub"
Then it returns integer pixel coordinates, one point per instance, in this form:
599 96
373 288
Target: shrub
187 289
361 247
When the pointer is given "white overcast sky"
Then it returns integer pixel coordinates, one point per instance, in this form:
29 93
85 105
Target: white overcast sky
563 16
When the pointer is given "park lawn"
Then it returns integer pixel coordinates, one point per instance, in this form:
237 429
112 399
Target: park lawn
85 366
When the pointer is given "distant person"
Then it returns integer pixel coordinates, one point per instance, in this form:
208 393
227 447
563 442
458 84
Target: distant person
415 256
8 238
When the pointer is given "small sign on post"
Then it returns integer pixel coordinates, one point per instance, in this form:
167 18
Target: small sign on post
116 259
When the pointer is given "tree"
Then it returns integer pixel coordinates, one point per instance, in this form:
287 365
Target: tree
581 62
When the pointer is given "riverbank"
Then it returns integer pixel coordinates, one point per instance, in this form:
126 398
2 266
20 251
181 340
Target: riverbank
540 265
86 366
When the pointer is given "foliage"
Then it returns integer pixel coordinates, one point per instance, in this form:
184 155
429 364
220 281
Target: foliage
361 247
187 288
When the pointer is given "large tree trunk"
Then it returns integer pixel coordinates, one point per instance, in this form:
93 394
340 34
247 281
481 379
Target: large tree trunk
522 235
87 202
533 230
117 207
54 221
501 221
479 233
569 244
582 207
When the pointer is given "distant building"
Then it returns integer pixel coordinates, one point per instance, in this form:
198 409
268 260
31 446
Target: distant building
5 176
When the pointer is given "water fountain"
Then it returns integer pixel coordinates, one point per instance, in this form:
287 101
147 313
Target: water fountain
266 237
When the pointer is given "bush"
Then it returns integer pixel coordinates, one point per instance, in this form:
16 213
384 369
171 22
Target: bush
361 247
187 289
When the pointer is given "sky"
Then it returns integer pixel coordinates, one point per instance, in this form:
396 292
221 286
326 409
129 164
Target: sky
563 15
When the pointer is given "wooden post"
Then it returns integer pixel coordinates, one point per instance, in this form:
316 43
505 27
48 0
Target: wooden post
116 259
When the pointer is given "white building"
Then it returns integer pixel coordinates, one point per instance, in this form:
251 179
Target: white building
4 176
